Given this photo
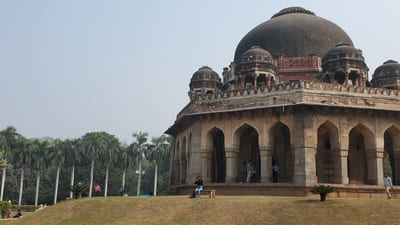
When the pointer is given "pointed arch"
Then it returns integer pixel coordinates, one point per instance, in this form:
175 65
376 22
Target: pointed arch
246 138
391 153
361 144
327 158
216 143
279 142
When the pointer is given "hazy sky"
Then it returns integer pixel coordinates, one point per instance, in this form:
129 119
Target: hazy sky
76 66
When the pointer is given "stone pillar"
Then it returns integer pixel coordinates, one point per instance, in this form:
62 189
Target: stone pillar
195 167
375 166
183 172
341 170
346 77
304 148
268 81
255 81
231 155
396 169
266 165
242 84
206 165
177 172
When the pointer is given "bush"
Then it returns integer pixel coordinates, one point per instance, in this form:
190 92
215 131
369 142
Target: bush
322 190
78 190
4 207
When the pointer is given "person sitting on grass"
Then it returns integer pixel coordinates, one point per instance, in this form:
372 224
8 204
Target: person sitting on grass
18 215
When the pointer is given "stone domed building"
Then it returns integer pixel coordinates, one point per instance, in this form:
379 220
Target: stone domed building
297 95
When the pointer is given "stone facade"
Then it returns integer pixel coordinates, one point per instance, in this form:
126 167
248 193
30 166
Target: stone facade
320 123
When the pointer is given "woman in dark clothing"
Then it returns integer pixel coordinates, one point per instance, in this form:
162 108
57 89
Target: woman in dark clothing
199 187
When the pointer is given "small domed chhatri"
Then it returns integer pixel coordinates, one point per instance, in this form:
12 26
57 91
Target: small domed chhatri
296 98
387 75
205 80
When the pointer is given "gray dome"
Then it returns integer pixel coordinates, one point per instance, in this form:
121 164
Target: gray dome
205 78
256 53
342 51
389 68
294 32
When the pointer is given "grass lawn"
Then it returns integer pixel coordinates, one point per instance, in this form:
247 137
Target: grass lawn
247 210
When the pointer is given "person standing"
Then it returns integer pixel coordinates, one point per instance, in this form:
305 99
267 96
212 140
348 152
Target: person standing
199 187
387 181
249 171
275 173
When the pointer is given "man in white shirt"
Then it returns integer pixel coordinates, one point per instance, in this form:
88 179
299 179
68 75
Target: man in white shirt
387 181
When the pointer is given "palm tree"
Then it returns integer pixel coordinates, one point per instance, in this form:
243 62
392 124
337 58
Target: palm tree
39 162
158 149
7 142
125 161
57 157
92 144
23 157
108 155
140 147
73 155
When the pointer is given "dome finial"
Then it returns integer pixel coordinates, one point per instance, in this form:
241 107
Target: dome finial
291 10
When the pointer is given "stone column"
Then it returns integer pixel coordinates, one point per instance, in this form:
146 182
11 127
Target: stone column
341 171
304 148
177 172
242 83
231 155
375 166
255 81
268 81
266 164
183 172
206 165
346 77
396 169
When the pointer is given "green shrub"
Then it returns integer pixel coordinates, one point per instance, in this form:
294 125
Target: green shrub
4 207
77 190
322 189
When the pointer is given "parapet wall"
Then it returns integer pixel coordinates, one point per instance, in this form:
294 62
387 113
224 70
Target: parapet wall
295 93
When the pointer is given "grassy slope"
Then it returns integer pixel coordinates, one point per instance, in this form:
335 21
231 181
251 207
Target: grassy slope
222 210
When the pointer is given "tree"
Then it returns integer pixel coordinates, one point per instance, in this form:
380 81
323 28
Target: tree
140 147
23 157
39 162
125 160
57 157
92 144
7 142
73 155
108 155
158 150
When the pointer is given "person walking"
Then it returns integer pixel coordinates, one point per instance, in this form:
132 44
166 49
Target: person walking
387 181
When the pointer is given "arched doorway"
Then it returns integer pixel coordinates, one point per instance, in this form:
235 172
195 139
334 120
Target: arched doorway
392 142
281 151
247 139
218 162
360 139
325 159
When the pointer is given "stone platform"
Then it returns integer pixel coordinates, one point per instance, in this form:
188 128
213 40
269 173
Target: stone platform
283 189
